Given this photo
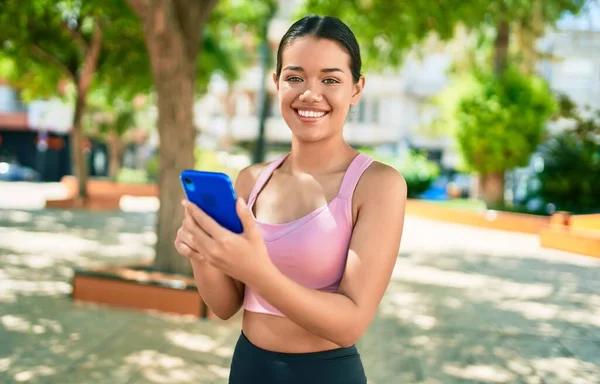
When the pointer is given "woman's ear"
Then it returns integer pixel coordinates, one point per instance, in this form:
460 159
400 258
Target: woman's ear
357 90
276 80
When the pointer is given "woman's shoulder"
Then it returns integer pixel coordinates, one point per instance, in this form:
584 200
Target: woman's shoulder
247 177
380 180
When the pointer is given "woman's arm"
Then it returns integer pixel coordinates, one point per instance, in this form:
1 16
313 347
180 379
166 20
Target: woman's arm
221 293
344 316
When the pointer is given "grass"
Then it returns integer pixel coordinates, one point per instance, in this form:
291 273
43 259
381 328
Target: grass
475 205
467 204
132 176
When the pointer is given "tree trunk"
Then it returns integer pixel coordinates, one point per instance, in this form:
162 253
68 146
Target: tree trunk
501 47
83 81
491 187
173 31
492 184
80 170
115 147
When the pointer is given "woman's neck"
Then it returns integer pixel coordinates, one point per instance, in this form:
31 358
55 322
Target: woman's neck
319 157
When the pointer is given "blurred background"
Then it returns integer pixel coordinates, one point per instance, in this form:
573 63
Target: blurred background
490 110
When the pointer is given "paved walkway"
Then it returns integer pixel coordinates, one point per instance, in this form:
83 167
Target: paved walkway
23 195
464 306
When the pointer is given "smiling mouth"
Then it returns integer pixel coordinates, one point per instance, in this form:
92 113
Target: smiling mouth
310 115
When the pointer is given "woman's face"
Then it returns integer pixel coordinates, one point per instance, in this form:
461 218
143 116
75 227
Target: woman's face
316 88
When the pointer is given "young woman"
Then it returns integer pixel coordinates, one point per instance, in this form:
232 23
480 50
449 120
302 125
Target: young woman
322 227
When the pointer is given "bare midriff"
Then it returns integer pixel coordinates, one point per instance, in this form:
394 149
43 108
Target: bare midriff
280 334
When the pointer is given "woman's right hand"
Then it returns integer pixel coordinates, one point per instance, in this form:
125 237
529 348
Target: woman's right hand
184 241
221 293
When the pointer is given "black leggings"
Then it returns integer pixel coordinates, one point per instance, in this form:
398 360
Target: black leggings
254 365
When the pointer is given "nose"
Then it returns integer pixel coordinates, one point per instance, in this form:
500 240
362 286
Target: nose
310 96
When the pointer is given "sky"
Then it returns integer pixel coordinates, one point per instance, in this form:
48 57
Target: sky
588 20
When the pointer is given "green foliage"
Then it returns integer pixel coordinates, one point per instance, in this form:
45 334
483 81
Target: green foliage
386 29
418 171
124 67
132 176
208 160
152 168
44 41
498 122
124 118
570 178
47 41
107 113
230 25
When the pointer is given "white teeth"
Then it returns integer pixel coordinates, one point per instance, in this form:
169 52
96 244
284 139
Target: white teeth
314 114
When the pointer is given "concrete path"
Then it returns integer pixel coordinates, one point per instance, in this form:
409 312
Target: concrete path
16 195
464 306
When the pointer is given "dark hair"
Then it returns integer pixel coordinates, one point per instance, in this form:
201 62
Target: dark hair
323 27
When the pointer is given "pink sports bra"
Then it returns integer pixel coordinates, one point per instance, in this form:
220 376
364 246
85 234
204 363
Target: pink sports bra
311 250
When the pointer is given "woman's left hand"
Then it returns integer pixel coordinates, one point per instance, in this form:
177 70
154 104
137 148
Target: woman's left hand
243 256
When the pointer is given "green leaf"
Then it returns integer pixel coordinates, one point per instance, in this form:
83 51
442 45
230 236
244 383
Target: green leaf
387 29
498 121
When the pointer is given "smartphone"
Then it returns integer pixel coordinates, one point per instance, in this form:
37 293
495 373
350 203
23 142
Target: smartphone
213 192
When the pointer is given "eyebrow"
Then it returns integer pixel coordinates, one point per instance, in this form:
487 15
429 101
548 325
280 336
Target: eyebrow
300 69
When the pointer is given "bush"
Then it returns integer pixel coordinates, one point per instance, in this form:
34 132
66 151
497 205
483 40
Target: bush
132 176
570 177
204 159
418 171
207 160
214 161
152 169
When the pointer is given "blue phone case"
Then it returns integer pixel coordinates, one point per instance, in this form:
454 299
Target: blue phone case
213 192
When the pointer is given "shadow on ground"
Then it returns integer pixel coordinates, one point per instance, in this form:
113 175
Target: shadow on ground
451 314
47 338
455 318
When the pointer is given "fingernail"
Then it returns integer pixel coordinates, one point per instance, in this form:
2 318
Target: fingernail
184 202
241 199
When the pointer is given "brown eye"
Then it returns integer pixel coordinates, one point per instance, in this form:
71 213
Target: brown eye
330 81
293 79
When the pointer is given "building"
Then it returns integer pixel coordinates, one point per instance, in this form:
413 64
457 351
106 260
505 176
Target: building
576 72
36 137
396 104
23 144
375 121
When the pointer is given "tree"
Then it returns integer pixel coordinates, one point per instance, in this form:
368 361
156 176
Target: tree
110 119
499 121
387 30
102 44
85 43
173 31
